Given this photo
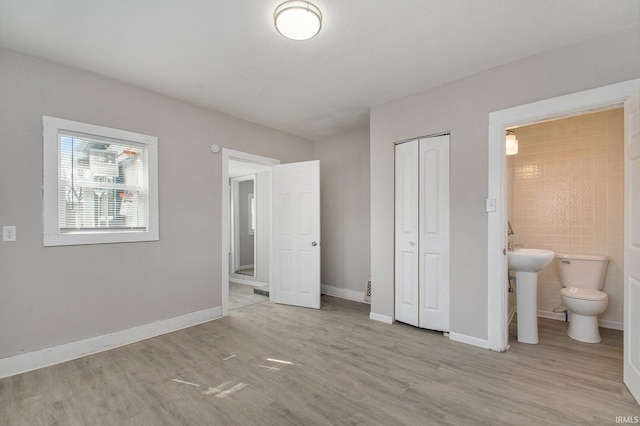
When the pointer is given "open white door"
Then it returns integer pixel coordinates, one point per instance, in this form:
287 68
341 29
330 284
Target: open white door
296 234
632 245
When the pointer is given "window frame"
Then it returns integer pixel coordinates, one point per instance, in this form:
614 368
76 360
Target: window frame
52 127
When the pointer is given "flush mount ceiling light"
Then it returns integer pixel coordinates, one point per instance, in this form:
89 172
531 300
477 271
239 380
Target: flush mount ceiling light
298 20
511 143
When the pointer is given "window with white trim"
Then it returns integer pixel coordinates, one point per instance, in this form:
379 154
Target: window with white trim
100 184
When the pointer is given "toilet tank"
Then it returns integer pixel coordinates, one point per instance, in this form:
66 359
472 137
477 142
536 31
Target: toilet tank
582 270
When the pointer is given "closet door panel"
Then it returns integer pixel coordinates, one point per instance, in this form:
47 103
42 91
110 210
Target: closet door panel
434 232
429 298
406 233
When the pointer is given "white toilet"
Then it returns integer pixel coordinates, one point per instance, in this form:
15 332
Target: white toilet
582 277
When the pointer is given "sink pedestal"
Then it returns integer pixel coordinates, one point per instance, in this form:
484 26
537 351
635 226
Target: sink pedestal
527 306
526 263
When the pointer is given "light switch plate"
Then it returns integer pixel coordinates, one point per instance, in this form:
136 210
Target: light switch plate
491 205
8 233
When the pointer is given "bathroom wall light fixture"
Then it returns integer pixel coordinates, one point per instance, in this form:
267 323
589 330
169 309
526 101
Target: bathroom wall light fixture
511 143
297 20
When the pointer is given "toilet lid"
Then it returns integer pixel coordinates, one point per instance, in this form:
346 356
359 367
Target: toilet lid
583 293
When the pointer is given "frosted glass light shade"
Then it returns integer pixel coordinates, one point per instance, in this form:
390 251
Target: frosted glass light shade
511 144
298 20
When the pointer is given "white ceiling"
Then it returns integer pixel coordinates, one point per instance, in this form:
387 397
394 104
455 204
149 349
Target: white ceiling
226 55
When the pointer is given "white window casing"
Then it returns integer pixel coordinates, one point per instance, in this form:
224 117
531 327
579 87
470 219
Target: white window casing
100 184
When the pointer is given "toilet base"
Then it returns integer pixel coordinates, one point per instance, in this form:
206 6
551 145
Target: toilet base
584 328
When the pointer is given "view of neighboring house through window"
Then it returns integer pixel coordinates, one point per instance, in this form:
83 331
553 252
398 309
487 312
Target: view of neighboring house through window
102 187
102 184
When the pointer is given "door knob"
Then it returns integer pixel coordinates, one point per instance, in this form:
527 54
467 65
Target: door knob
411 243
315 243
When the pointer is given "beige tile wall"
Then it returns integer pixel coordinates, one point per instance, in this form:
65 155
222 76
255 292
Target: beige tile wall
565 191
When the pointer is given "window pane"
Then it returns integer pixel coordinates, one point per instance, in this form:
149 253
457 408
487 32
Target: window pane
102 184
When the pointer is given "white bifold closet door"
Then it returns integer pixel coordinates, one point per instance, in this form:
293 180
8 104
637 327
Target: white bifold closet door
422 232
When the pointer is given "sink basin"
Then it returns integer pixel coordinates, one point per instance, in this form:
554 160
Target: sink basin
529 260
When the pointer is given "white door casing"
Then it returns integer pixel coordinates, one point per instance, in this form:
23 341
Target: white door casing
422 232
631 367
548 109
407 233
296 234
434 233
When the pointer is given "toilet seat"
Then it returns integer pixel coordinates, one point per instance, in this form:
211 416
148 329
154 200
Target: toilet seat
583 293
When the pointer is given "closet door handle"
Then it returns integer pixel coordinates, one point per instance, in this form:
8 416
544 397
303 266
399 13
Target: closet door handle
411 243
315 243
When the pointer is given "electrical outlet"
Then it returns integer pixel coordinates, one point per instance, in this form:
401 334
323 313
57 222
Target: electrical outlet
8 233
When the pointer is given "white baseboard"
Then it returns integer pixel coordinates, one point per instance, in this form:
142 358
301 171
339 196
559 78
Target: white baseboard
55 355
614 325
551 315
382 318
343 293
481 343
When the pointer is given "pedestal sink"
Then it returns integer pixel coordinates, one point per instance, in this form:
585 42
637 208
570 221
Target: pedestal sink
526 263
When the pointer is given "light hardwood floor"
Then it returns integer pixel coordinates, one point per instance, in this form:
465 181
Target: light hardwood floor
344 369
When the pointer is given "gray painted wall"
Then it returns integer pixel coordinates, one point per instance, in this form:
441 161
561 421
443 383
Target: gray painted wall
57 295
344 195
462 108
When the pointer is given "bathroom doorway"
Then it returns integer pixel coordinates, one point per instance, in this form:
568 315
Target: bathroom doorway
564 106
565 193
625 94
